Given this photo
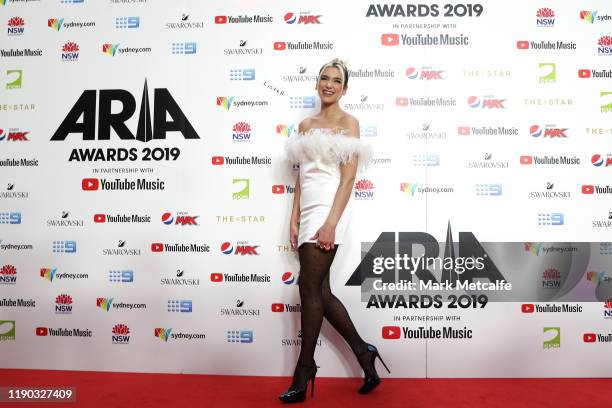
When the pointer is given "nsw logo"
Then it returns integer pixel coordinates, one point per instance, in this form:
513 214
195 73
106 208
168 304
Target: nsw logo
63 304
121 334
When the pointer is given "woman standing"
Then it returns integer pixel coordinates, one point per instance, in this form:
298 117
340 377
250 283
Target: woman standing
329 151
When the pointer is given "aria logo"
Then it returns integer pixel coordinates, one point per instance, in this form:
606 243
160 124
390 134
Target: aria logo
85 107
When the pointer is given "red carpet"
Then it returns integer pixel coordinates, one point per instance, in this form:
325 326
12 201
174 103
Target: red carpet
99 389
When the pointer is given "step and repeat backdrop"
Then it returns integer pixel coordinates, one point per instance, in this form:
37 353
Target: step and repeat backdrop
145 193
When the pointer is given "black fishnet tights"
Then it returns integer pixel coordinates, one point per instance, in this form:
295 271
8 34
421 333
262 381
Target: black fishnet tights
317 301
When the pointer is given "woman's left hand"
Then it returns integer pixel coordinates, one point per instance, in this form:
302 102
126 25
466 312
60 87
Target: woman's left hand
325 237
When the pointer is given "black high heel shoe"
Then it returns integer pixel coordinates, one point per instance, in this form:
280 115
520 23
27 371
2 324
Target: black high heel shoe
292 396
372 381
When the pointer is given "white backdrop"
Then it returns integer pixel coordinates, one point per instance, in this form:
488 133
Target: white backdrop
200 55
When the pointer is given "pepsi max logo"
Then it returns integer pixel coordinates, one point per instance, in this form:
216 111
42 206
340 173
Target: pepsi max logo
242 248
180 219
227 248
288 278
599 160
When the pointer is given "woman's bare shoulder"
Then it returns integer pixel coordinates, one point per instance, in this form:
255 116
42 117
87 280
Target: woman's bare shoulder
351 124
305 125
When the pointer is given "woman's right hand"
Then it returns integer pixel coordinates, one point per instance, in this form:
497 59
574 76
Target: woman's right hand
293 235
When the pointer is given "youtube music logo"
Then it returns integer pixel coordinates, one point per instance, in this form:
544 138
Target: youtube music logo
218 160
42 331
278 307
278 189
90 184
280 45
522 45
390 39
527 308
588 189
584 73
99 218
157 247
217 277
391 332
401 101
463 130
589 337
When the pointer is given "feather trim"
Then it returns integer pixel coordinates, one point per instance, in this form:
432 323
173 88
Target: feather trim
328 146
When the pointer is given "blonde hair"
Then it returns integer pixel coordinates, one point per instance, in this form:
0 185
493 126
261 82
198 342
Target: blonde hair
341 65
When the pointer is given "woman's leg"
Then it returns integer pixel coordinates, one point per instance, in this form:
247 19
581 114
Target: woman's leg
314 266
338 317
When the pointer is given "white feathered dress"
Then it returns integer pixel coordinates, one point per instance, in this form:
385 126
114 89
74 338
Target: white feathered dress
319 153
